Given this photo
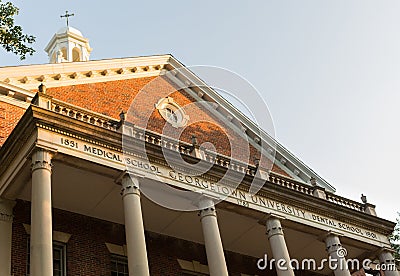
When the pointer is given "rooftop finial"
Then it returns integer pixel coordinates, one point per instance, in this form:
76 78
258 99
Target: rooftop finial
363 198
122 116
194 140
313 181
42 88
67 15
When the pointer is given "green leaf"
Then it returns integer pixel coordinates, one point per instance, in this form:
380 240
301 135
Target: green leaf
395 239
12 38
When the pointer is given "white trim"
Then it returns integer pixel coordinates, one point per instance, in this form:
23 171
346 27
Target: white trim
15 95
71 73
14 101
60 68
116 249
81 77
57 235
17 89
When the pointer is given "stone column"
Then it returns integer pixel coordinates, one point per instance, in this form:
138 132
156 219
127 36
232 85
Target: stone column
6 218
387 263
337 255
41 243
134 229
212 239
278 247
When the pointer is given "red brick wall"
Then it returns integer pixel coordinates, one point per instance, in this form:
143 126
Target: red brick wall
9 117
87 254
110 98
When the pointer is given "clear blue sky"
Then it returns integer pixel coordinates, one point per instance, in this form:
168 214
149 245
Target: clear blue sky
329 70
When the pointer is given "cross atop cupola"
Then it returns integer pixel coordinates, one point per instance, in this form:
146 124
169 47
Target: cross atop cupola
66 16
68 44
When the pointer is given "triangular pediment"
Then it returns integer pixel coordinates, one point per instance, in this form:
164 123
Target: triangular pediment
110 86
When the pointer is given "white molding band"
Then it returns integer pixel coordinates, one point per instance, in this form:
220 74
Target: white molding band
13 101
57 235
72 73
117 249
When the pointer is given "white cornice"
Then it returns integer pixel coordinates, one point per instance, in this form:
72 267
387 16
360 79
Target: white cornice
15 95
19 90
71 73
13 101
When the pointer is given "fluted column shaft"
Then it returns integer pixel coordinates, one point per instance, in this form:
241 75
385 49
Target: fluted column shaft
278 247
212 239
41 242
134 229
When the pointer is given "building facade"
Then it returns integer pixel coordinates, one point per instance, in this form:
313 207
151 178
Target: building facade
94 154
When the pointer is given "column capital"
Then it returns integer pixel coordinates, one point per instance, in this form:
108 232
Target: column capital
41 159
273 225
210 211
386 255
6 209
206 205
332 242
129 182
387 262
